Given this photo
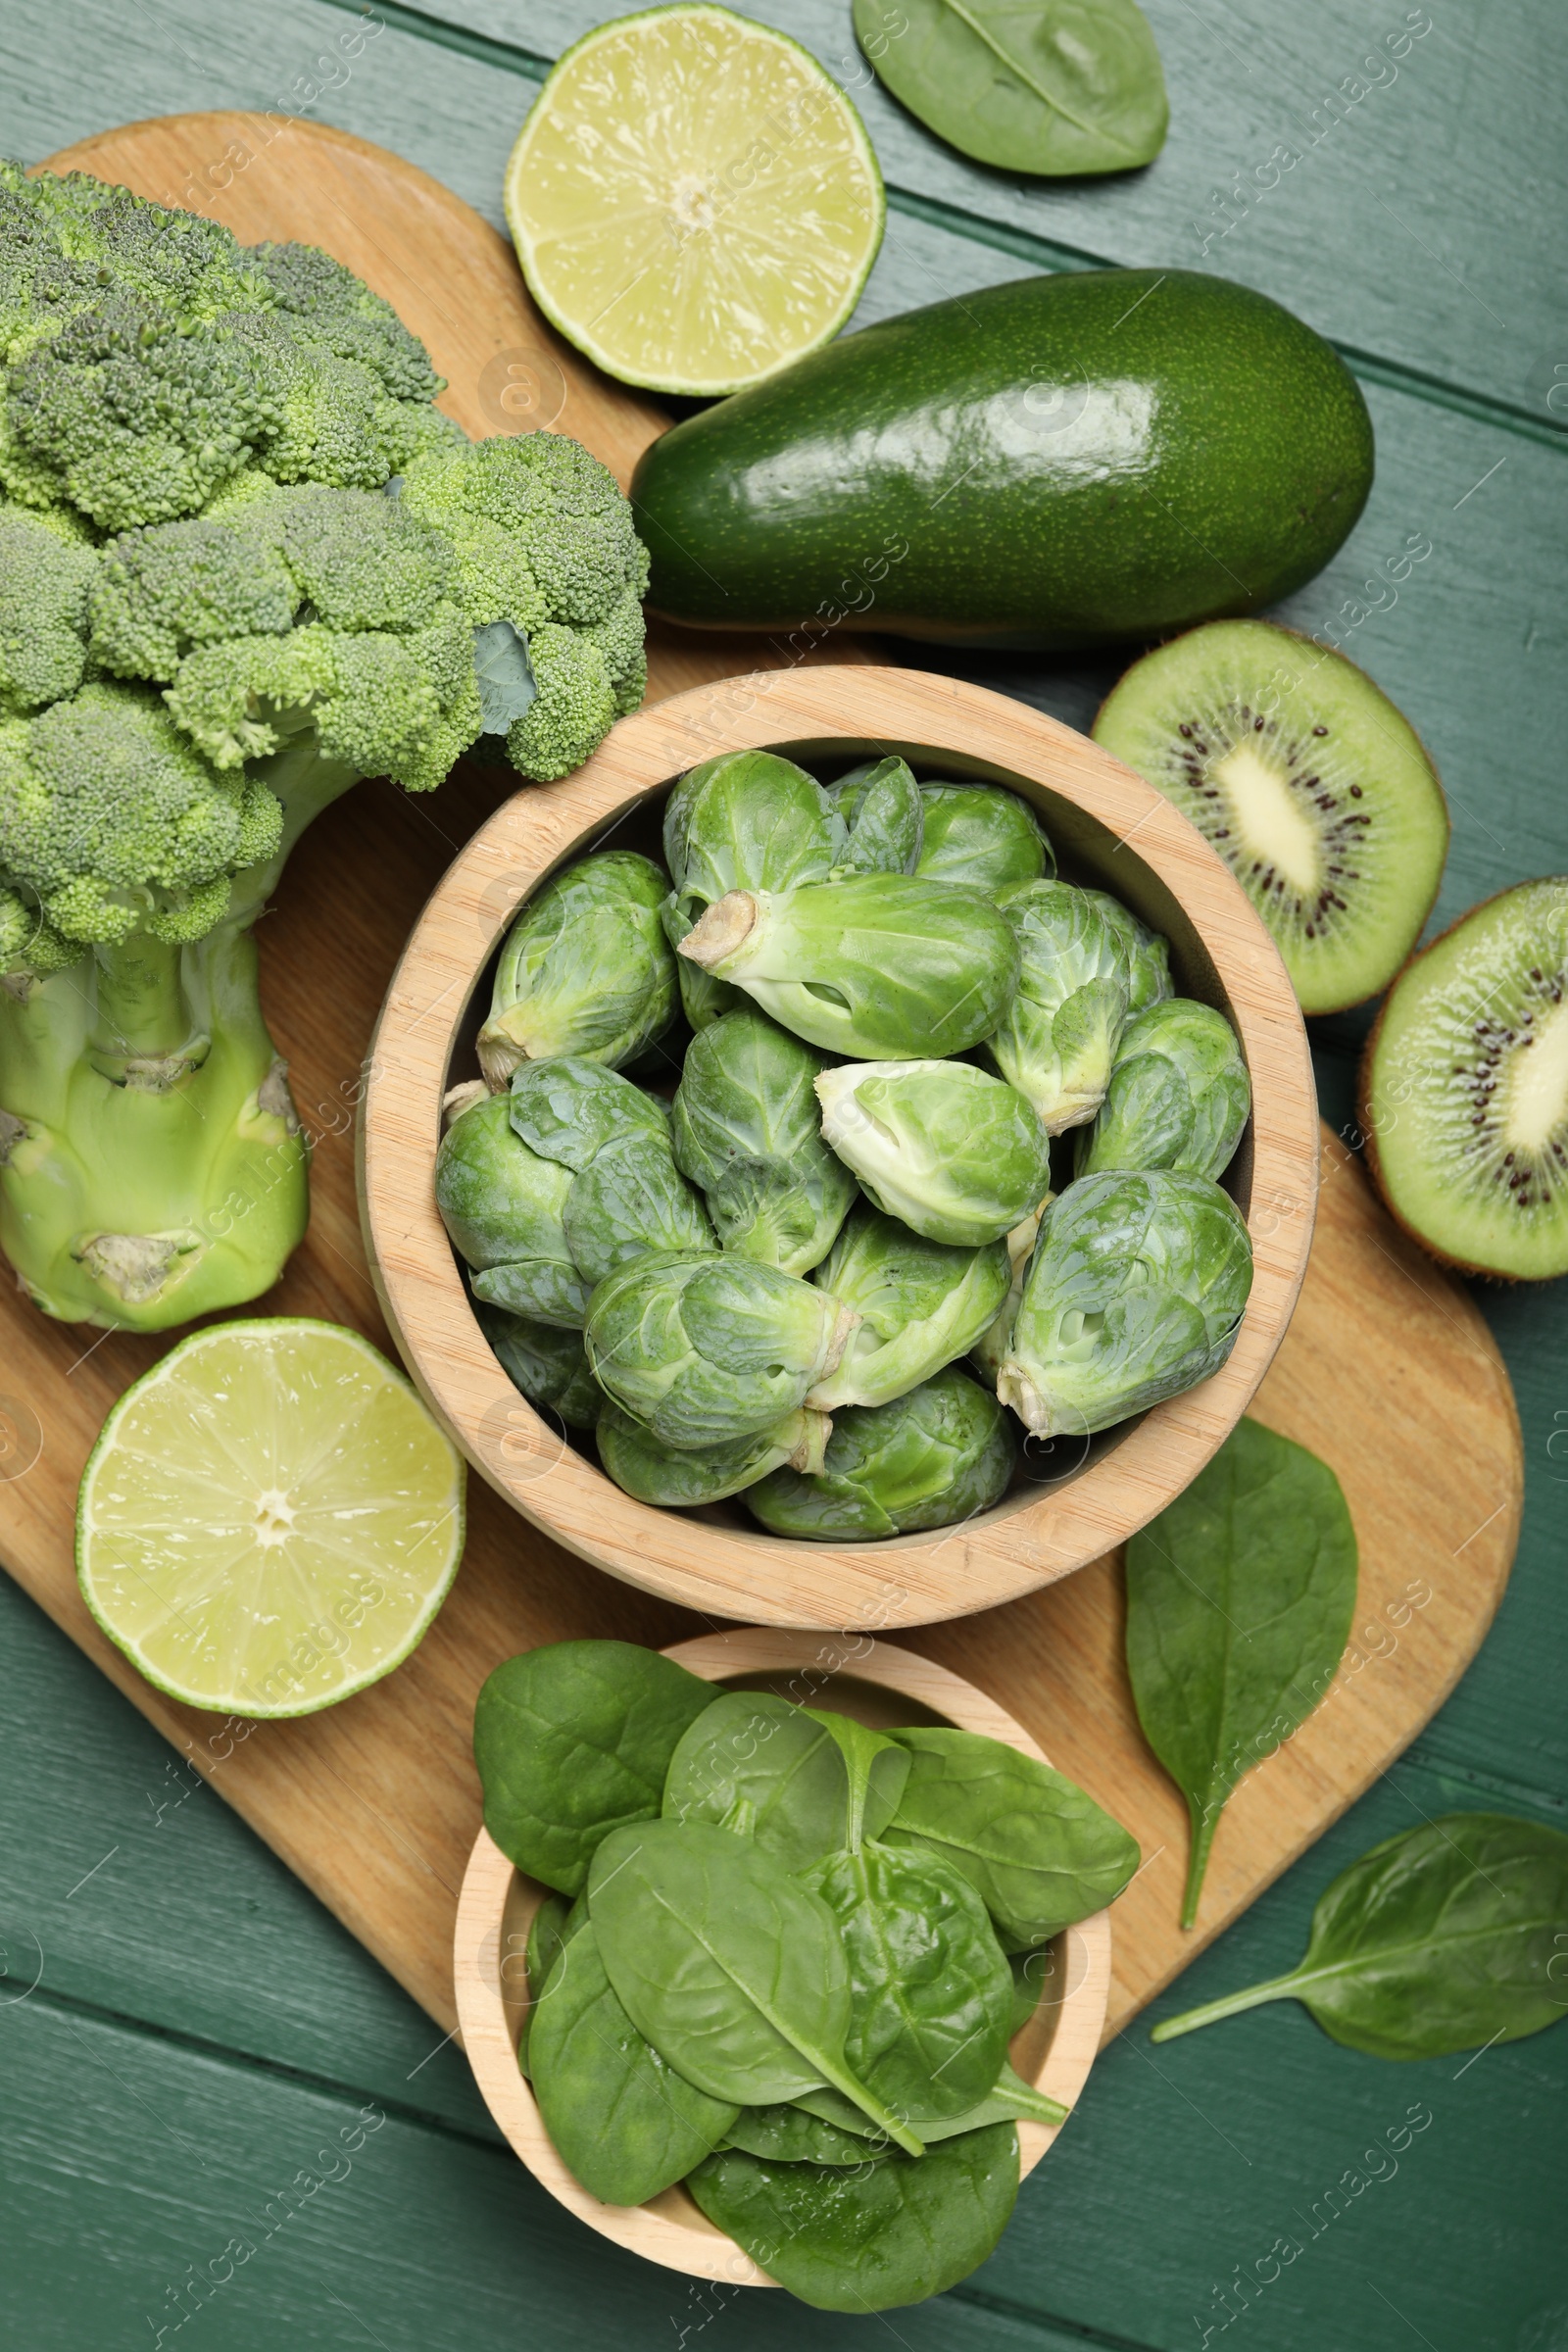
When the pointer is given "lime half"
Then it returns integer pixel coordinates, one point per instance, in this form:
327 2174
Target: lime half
269 1519
693 200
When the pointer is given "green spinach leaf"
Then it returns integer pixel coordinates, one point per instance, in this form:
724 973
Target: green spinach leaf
931 1992
1240 1598
791 2134
1048 86
548 1931
731 1968
810 1778
620 2117
1037 1850
1009 2098
1443 1939
573 1740
872 2239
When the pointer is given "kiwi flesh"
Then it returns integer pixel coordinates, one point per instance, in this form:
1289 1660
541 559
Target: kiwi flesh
1308 782
1464 1089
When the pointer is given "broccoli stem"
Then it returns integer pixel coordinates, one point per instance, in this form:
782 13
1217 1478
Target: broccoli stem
152 1167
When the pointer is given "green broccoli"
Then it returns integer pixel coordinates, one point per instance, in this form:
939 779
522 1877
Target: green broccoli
244 562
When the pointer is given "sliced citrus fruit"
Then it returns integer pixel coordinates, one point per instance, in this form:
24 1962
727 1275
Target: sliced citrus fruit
693 200
269 1519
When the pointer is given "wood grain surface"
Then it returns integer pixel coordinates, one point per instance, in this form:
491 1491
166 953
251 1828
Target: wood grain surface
1108 827
1054 2051
1387 1370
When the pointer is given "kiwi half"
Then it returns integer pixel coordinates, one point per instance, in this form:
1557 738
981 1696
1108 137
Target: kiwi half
1464 1089
1307 781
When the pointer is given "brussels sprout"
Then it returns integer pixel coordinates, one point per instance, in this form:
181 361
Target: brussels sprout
565 1109
934 1456
981 835
503 1207
703 998
883 966
586 969
921 1305
549 1366
1134 1292
745 1126
989 1351
632 1199
1178 1098
1057 1037
748 821
707 1350
957 1155
880 803
652 1472
1148 955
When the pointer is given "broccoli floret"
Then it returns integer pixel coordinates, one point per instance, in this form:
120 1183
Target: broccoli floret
243 560
114 822
45 573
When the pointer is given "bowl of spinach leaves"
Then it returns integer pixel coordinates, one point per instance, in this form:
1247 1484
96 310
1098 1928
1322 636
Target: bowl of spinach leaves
781 1962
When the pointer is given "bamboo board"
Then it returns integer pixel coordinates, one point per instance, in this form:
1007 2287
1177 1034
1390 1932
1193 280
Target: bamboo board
1387 1370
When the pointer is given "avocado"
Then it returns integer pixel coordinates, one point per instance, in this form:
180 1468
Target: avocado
1060 461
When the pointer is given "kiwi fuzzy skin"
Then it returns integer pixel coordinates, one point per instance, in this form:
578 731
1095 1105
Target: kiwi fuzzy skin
1364 1108
1304 637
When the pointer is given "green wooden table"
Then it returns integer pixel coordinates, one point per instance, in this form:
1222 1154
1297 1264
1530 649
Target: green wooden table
200 2030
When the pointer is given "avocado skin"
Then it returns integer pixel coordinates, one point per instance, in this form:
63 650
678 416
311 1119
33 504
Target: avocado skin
1060 461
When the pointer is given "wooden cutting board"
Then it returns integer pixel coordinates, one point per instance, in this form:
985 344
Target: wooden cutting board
1388 1370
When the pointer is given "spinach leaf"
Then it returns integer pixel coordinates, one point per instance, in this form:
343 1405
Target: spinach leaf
730 1967
573 1740
791 2134
1008 2099
1240 1598
885 2234
620 2117
1443 1939
1046 87
1037 1851
930 1990
811 1778
548 1931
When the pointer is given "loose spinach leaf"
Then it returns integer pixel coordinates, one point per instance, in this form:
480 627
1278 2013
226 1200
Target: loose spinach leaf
870 2240
1240 1598
1443 1939
1046 87
1010 2099
809 1776
931 1992
620 2117
573 1740
732 1969
791 2134
1037 1851
548 1931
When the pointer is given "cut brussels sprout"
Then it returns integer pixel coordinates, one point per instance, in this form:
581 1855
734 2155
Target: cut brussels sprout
881 966
982 835
932 1458
654 1472
1134 1292
880 805
707 1350
921 1305
586 969
549 1366
503 1207
1148 954
1179 1095
565 1109
956 1154
746 1127
1057 1037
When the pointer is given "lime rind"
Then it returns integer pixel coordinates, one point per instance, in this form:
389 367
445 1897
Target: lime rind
753 275
332 1594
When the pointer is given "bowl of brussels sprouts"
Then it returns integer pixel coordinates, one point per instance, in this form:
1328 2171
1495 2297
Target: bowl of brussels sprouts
799 1981
847 1156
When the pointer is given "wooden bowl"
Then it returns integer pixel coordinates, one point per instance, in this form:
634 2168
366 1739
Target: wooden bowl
1108 826
883 1687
